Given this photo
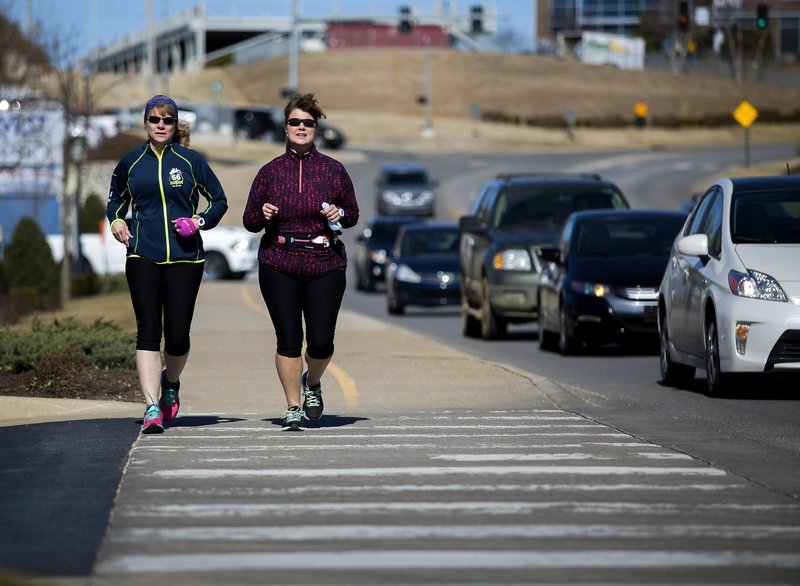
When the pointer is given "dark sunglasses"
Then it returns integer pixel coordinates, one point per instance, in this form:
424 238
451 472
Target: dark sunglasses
168 120
307 122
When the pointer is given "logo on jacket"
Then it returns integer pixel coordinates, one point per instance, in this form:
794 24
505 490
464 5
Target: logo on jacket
175 177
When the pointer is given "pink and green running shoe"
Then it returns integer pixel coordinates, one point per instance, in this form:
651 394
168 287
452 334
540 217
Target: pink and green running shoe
153 421
169 402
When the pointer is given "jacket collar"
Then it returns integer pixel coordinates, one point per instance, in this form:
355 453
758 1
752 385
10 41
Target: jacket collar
295 157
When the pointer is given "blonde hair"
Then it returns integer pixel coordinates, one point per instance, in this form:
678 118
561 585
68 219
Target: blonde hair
182 133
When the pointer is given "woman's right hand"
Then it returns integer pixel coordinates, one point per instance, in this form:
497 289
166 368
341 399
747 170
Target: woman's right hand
121 232
269 211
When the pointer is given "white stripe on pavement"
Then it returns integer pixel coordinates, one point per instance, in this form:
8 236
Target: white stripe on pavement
238 533
438 470
463 559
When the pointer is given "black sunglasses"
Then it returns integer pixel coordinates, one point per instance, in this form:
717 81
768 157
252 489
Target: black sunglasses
168 120
307 122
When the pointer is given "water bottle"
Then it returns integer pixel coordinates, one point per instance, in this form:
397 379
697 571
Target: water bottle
335 226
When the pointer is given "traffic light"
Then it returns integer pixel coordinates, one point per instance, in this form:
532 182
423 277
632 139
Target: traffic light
476 19
404 26
762 16
683 15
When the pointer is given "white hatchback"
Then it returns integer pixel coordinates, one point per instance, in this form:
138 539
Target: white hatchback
729 301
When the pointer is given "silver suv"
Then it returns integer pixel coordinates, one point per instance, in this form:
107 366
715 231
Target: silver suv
511 218
405 188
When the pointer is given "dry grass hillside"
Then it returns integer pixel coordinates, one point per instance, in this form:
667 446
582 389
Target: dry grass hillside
527 87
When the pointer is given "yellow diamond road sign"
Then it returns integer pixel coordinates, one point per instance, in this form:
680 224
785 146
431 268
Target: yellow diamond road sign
745 114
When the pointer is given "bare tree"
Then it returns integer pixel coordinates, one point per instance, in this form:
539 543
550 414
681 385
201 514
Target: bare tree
41 65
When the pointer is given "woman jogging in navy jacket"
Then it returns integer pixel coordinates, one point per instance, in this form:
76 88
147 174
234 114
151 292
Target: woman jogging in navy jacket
161 184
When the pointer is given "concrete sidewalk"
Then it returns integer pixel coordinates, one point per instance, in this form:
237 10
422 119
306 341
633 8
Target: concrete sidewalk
231 369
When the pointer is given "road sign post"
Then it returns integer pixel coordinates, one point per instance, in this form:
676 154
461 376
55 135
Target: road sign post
745 114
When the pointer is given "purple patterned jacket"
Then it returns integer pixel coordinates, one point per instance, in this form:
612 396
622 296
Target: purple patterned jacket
298 186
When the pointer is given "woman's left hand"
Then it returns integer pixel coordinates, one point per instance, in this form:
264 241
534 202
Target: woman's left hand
332 213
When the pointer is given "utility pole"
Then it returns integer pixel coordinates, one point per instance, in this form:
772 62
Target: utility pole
151 47
428 130
294 47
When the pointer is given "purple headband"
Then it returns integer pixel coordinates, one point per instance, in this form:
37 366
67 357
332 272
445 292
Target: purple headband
161 101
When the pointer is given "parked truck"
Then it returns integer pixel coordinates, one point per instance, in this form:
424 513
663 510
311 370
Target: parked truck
231 252
597 48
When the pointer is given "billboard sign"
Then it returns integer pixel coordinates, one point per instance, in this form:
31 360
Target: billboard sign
31 165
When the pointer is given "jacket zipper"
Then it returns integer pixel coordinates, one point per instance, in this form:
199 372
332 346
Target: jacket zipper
163 205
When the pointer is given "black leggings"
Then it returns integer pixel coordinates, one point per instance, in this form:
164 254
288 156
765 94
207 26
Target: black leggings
168 290
290 298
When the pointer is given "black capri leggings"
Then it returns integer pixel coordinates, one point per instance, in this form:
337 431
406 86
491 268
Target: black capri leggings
168 290
289 298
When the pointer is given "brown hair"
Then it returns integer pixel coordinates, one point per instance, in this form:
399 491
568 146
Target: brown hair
306 103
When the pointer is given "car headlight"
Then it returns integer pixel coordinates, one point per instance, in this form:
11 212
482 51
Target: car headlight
593 289
513 259
378 256
755 285
406 274
390 196
240 244
425 196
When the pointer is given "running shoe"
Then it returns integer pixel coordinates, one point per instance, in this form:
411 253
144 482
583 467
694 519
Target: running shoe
293 419
153 420
312 398
169 402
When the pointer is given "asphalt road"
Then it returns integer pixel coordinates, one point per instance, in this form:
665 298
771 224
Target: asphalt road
763 417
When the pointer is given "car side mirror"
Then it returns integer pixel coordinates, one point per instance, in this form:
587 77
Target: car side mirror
471 224
694 245
550 254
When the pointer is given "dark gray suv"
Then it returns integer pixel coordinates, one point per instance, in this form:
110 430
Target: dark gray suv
510 219
405 188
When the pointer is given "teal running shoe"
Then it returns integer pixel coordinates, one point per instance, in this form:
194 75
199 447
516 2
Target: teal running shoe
153 421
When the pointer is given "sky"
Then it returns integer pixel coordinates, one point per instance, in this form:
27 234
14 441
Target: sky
98 22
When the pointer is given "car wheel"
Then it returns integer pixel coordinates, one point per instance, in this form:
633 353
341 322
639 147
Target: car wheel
394 306
215 267
567 343
716 382
672 373
491 326
369 283
546 338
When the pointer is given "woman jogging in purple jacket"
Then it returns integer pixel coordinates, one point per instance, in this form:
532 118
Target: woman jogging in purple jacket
302 199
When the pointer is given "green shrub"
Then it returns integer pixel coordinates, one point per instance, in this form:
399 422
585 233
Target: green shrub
113 283
92 214
104 343
29 263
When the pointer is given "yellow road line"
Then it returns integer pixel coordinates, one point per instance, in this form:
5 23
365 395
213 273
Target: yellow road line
346 382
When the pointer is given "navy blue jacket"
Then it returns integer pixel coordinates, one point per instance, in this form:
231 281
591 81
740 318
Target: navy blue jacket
159 189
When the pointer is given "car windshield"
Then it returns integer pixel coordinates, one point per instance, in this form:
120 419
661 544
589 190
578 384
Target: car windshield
406 178
626 237
386 231
550 205
766 218
430 242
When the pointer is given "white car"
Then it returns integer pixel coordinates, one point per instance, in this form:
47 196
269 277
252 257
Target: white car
231 252
729 302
